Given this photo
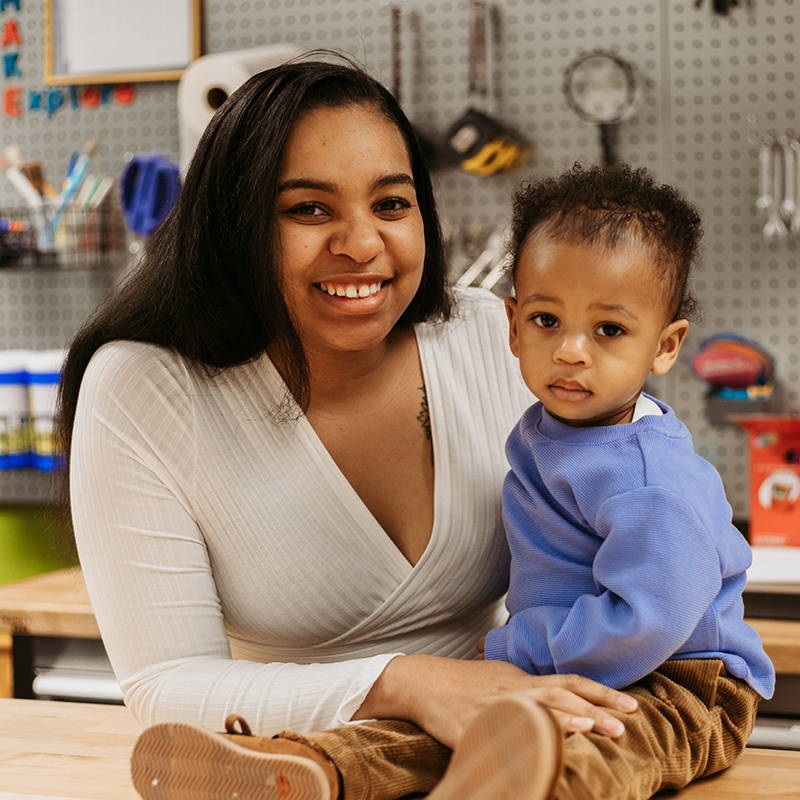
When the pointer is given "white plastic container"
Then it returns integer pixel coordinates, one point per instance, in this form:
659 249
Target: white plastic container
43 368
14 410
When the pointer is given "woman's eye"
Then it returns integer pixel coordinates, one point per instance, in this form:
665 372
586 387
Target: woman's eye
610 330
393 204
308 210
545 320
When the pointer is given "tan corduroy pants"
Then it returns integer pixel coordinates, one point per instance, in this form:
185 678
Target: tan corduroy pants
693 720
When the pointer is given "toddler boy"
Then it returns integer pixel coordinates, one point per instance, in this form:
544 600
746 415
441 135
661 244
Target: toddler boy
626 567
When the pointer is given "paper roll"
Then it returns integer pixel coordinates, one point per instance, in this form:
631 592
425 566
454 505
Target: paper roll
209 80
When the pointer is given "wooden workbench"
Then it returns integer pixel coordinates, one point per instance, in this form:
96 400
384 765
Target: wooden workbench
82 750
53 604
60 749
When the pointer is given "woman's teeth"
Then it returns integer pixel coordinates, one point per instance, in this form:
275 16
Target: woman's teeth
365 290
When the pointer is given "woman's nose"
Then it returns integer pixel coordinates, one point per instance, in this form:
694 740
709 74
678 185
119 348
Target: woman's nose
573 348
357 238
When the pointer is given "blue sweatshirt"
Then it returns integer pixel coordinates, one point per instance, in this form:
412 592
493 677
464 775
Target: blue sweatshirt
623 554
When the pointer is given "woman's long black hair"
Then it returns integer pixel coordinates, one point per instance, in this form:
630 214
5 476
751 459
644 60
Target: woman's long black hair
209 284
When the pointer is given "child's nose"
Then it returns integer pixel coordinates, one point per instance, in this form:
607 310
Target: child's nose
573 348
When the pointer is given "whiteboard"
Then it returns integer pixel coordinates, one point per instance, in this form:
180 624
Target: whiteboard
97 41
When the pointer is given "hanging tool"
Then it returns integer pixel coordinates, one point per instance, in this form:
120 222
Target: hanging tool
602 89
397 12
477 141
774 226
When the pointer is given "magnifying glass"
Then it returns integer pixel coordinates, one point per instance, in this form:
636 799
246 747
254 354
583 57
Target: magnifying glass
602 89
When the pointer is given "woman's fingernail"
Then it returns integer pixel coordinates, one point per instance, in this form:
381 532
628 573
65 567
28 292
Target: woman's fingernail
613 727
628 703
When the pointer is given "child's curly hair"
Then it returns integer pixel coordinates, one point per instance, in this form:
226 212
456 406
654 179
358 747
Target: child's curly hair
606 206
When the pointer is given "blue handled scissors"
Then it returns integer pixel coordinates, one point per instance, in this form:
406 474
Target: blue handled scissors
150 186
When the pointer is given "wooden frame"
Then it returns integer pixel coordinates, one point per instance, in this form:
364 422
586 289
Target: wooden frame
56 74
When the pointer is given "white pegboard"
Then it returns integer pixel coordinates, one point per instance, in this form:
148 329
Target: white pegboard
708 84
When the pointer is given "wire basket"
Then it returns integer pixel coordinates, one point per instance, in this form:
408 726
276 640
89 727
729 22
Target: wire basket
75 237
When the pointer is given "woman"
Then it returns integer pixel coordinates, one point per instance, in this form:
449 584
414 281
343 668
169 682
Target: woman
286 438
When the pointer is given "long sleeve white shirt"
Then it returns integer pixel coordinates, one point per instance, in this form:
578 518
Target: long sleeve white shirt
232 567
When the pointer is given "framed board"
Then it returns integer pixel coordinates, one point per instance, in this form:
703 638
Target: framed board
97 41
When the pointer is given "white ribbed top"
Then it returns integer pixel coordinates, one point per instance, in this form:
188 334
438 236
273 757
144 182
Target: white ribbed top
231 566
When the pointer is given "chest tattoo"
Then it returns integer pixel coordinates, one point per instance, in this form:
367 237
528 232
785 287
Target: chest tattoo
424 418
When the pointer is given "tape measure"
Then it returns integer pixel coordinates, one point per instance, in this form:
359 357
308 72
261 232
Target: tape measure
482 145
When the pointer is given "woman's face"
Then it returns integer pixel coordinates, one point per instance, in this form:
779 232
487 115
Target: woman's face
351 235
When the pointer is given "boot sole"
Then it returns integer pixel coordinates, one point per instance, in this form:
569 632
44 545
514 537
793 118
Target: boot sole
511 750
175 761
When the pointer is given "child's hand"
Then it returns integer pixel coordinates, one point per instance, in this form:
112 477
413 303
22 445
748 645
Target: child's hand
481 650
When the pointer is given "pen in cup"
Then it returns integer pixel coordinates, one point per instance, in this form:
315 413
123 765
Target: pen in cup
74 181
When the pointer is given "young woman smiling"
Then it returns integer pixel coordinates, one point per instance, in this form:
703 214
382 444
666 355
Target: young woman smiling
285 443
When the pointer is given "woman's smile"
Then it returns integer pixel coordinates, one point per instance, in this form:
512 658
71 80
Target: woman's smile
351 290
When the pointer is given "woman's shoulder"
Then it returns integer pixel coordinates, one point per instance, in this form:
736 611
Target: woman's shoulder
123 364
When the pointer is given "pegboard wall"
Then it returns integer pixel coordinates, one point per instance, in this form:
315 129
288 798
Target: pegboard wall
709 84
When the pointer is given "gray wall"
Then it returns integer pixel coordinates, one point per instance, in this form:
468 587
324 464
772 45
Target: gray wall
710 85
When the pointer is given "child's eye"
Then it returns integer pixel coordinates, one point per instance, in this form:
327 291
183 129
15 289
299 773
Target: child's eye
545 320
610 330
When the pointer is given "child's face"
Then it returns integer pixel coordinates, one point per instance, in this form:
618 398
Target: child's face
588 326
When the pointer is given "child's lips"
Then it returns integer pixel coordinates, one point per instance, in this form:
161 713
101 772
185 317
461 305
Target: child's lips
571 391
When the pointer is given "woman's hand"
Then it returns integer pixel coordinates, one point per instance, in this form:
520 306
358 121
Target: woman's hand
441 695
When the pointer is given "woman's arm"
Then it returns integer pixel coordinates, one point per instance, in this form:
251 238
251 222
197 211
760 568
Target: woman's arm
442 694
153 583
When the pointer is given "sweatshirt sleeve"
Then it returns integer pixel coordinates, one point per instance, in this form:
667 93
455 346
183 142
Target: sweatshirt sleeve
148 570
648 601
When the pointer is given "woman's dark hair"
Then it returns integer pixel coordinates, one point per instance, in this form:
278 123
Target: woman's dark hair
606 205
209 284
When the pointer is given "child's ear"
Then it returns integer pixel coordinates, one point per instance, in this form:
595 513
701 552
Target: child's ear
511 313
669 346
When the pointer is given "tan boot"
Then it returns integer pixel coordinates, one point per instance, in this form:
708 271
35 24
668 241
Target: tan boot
511 750
176 761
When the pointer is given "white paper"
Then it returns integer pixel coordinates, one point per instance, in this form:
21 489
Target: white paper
99 36
775 565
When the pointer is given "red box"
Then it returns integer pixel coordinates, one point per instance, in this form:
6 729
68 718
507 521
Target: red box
774 479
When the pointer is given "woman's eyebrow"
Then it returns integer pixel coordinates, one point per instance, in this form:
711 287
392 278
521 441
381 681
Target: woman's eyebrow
393 180
308 183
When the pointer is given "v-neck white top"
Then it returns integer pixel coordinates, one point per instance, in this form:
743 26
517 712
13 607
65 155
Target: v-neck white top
231 566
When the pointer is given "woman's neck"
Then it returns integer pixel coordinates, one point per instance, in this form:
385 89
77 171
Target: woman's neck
342 377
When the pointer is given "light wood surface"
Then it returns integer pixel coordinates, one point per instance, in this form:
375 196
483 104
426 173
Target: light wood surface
78 750
6 666
82 750
781 638
757 775
53 604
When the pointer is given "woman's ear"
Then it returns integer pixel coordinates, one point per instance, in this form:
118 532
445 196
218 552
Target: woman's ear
669 346
511 313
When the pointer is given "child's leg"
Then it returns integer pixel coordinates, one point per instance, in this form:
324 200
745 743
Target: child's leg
511 750
382 760
693 720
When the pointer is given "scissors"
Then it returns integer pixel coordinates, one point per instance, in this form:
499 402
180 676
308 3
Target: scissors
150 186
